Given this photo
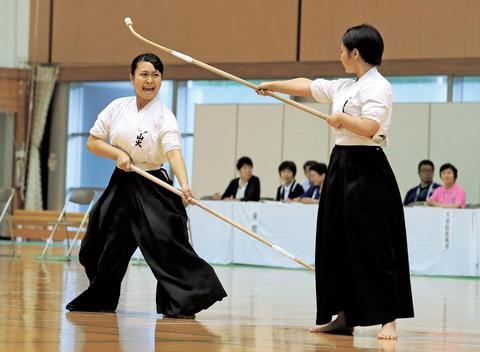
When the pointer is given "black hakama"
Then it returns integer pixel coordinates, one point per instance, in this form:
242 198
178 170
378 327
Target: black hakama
135 212
361 256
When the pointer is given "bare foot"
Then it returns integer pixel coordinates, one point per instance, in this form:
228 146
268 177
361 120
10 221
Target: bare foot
337 326
387 345
388 331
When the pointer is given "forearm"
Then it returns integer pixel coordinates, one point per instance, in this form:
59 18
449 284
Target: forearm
177 164
441 205
299 87
309 201
101 148
362 126
450 206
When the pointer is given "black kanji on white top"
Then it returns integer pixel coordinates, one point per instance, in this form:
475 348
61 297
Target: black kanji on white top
140 137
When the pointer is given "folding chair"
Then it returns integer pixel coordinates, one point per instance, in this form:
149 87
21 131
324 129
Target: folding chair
6 199
83 197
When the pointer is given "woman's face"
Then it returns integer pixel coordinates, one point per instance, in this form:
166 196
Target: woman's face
316 178
246 171
286 176
347 59
146 81
447 177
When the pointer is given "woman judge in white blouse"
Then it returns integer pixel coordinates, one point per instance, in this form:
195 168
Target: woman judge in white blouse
134 212
362 271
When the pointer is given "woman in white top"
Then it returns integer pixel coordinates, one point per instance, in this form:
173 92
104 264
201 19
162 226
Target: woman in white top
135 212
361 260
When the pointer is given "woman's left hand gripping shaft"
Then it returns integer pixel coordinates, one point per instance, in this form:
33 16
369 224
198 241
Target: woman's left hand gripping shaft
187 194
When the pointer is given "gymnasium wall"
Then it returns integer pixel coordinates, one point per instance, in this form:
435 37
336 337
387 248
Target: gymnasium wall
269 134
444 34
94 33
411 29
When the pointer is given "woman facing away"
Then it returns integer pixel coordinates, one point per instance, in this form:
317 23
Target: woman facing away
361 259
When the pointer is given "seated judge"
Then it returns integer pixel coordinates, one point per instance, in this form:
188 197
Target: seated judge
307 183
317 175
426 187
450 195
290 188
247 186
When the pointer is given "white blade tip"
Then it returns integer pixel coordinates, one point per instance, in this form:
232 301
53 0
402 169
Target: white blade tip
128 21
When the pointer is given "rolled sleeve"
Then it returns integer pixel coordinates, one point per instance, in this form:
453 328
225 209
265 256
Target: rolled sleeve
374 110
376 103
171 140
324 90
171 136
101 128
320 90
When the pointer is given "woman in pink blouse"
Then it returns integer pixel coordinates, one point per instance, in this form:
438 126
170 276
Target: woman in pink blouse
450 195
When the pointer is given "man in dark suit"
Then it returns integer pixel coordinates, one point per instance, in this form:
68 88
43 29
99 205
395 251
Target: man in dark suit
289 189
426 187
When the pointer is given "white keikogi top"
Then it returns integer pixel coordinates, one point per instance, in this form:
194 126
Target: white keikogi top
369 97
146 135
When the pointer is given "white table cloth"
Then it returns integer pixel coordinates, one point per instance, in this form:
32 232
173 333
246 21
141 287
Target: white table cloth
440 241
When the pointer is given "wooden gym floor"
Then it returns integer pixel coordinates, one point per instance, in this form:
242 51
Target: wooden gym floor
266 310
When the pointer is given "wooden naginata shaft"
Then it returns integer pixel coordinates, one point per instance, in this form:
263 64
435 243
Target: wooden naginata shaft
224 74
222 217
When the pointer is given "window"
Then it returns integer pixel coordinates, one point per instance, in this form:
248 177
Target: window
419 89
466 89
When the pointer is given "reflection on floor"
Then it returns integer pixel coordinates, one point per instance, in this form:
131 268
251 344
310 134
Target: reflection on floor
266 310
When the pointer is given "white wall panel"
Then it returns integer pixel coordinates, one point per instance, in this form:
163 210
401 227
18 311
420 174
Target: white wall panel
214 148
455 138
260 135
270 134
408 143
305 137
